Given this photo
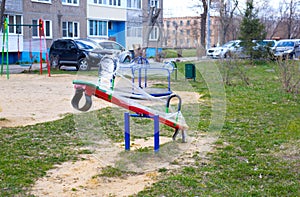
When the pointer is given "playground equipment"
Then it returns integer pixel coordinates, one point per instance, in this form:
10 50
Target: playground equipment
152 105
140 70
5 45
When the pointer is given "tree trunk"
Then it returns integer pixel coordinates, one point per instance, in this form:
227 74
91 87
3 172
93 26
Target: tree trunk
203 23
2 13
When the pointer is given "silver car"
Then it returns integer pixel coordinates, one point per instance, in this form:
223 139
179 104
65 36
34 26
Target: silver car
224 50
116 48
288 49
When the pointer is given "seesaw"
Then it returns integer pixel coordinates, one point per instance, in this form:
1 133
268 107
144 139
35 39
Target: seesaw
89 89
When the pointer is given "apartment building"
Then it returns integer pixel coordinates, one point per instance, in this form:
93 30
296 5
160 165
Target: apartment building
184 32
13 12
119 20
62 19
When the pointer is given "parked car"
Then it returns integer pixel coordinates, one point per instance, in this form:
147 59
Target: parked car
108 45
210 51
224 50
263 44
264 48
75 53
287 49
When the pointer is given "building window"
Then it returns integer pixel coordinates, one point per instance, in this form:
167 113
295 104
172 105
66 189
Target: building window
188 22
98 28
188 32
168 24
70 2
181 23
13 20
47 29
154 3
102 2
115 2
108 2
134 32
70 29
42 1
134 4
110 25
154 34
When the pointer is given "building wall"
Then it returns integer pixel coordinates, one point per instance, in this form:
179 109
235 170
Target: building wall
14 41
184 32
134 28
13 6
115 15
57 13
54 11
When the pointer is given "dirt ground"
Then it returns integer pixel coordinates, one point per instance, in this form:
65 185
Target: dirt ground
31 98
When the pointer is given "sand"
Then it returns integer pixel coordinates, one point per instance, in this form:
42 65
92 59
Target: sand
27 99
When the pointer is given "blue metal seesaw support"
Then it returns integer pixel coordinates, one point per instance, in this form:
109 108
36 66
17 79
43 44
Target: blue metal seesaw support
127 129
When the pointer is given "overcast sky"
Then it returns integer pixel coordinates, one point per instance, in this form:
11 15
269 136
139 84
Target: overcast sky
183 7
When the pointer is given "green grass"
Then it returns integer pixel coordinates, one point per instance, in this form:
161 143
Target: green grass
26 153
256 154
172 53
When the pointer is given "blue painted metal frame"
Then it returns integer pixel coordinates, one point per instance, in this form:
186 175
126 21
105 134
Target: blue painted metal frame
127 129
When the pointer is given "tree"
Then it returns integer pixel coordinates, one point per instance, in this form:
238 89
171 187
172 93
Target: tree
203 23
2 13
271 18
226 17
291 17
251 28
203 6
152 20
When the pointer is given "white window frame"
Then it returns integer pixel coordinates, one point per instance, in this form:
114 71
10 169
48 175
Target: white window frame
67 29
154 3
35 28
13 29
97 31
115 3
42 1
134 4
70 2
154 34
135 32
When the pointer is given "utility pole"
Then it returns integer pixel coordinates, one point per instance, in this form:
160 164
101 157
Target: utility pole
208 26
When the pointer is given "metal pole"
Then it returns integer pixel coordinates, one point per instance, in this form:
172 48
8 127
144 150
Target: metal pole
127 131
156 133
208 25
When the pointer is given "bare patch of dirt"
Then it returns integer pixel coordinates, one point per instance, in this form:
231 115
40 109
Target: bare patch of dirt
30 99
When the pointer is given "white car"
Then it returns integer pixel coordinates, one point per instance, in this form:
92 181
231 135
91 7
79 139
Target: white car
288 49
223 51
123 54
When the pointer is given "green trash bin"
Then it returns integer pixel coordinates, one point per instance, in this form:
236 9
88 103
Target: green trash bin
190 71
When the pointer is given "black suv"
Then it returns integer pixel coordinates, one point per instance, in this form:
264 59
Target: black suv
69 52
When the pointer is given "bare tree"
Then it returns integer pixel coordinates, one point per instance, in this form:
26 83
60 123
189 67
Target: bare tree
203 22
285 22
203 6
292 19
226 10
151 22
270 18
2 13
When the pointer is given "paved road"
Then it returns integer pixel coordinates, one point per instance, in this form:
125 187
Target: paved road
15 69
